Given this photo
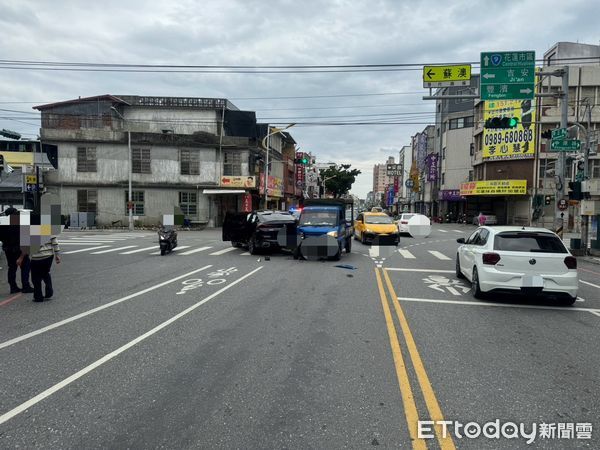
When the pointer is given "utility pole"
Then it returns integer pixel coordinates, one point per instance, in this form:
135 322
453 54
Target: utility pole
560 163
585 222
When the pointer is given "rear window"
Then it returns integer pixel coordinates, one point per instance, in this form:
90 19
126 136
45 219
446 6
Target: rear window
378 219
407 216
529 242
275 216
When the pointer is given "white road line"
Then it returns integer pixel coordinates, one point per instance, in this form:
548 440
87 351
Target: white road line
245 254
419 270
443 231
458 231
590 284
83 243
407 254
99 308
196 250
500 305
439 255
84 249
92 238
130 252
596 313
221 252
58 386
113 250
175 249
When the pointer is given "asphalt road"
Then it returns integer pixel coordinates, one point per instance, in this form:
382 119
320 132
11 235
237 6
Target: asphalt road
210 347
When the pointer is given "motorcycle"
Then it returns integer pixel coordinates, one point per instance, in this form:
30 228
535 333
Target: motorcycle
167 240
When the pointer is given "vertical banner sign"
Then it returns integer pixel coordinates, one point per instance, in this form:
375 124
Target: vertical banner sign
299 171
390 196
510 143
421 151
432 167
396 182
247 203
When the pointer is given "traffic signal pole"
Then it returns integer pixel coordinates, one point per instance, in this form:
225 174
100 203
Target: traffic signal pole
560 163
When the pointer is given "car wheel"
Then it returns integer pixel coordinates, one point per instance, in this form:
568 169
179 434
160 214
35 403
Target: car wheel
348 245
363 240
459 274
252 246
475 287
163 251
568 300
235 244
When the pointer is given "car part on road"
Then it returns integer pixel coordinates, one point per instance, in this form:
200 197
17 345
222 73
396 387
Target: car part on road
475 288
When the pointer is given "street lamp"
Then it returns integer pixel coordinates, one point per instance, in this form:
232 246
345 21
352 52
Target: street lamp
266 144
130 202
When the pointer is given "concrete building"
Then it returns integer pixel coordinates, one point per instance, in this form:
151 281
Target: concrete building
380 178
201 155
405 193
454 145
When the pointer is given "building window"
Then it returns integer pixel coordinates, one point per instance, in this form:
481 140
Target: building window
140 160
86 159
189 162
444 153
232 164
461 122
188 202
138 202
547 168
87 201
443 179
470 175
471 149
594 168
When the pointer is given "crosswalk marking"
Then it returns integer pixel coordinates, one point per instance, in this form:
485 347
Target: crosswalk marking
407 254
439 255
180 247
82 243
443 231
113 249
245 254
154 247
196 250
84 249
221 252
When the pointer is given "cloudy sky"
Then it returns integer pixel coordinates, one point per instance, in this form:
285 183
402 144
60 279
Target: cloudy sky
276 33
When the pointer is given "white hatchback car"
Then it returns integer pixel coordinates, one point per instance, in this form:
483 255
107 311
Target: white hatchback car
517 259
403 222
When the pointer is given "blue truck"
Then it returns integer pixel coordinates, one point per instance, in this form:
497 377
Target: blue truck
325 229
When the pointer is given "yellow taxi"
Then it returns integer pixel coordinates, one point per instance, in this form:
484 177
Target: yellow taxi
376 225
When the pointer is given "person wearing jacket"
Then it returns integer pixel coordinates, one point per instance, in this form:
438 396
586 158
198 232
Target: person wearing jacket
10 236
41 262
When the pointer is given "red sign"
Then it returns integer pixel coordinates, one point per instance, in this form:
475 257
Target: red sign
299 170
247 203
396 185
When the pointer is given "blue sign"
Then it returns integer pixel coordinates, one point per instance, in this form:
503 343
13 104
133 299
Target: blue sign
409 184
390 198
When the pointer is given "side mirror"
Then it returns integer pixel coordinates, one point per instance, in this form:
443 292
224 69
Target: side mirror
461 240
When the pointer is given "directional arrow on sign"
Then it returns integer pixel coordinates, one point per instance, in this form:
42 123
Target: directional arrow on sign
486 60
430 73
489 75
525 91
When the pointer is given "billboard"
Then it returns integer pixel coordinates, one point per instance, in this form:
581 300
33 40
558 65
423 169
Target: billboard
494 187
510 143
238 182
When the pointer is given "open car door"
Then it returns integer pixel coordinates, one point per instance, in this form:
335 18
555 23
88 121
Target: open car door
236 227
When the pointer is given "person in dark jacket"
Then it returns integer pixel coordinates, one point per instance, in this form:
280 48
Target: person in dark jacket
11 245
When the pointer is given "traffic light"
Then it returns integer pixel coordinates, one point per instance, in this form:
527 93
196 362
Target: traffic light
501 122
302 161
575 190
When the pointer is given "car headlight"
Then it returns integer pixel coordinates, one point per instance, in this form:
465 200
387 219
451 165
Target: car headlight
301 234
333 234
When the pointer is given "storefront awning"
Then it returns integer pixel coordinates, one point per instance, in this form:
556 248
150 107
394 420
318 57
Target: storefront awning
223 191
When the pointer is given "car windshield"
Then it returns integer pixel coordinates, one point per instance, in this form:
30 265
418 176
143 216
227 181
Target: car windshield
529 242
406 216
318 218
378 219
275 217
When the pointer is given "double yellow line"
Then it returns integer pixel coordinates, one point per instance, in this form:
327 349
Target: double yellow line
408 400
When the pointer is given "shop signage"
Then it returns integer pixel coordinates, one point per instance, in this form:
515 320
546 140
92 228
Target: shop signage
494 187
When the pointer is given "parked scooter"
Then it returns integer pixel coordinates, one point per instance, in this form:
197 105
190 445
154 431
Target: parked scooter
167 240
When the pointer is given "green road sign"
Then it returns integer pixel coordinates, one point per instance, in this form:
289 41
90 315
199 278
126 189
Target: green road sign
559 133
507 75
565 145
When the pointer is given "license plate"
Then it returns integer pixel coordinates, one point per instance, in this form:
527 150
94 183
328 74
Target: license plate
533 281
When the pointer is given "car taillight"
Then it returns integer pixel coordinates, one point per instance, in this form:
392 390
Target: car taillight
403 222
571 262
491 258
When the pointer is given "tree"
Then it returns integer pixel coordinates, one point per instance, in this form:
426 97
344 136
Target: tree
339 180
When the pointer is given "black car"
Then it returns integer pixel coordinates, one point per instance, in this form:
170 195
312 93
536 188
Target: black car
259 230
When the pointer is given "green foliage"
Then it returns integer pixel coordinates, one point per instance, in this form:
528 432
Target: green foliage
339 180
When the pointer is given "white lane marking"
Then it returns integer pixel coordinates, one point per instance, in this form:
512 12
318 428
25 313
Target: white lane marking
174 250
439 255
92 238
83 243
130 252
443 231
58 386
245 254
113 250
407 254
397 269
590 284
84 249
500 305
458 231
99 308
196 250
596 313
221 252
579 299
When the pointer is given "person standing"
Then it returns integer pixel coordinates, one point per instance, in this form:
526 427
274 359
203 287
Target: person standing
481 219
41 262
11 236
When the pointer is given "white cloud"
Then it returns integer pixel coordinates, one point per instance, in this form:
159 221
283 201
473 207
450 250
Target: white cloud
244 32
